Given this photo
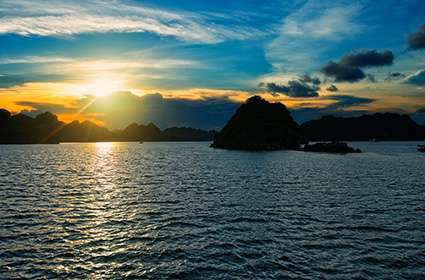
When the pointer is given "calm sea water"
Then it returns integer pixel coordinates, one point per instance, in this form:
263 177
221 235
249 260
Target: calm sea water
186 211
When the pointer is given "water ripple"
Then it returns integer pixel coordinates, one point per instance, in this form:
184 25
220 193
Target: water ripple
185 211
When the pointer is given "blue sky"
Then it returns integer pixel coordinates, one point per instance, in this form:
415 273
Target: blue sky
56 54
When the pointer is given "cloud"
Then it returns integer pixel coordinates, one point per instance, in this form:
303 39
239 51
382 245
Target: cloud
58 18
368 58
371 78
318 20
309 79
343 73
45 107
344 101
311 30
121 108
417 78
35 59
393 76
416 40
275 88
348 69
332 88
9 80
305 86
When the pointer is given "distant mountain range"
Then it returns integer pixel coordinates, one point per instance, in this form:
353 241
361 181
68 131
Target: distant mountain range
46 128
378 126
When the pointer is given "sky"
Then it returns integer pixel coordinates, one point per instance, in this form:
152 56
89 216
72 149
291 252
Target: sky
191 63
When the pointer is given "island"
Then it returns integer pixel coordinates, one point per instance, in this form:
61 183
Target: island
262 125
329 147
259 125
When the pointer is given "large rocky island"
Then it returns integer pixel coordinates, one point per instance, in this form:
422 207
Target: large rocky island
259 125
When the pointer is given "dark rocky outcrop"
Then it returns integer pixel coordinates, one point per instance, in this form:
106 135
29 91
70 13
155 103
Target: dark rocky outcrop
379 126
46 128
22 129
259 125
330 147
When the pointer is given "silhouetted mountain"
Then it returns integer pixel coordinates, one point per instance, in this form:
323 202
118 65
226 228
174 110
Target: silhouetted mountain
379 126
135 132
83 132
259 125
21 129
46 128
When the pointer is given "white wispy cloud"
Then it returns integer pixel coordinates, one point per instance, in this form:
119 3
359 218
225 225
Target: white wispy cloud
56 18
316 20
310 31
35 60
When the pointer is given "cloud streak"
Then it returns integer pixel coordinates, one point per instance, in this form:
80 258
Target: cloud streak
54 18
416 79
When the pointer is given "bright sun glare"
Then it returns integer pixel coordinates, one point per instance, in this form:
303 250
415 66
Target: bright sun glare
102 86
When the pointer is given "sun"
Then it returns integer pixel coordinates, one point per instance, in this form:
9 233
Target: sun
100 86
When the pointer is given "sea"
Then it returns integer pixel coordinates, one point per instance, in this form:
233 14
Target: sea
188 211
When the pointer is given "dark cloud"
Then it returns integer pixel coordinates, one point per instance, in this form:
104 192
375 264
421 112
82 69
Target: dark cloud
305 86
332 88
417 79
122 108
416 40
40 107
368 58
339 108
308 79
344 101
275 88
393 76
295 88
343 73
348 69
302 89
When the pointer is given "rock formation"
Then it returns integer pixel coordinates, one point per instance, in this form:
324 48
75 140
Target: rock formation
330 147
259 125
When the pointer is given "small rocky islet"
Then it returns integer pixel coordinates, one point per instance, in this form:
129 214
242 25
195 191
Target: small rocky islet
330 147
262 125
